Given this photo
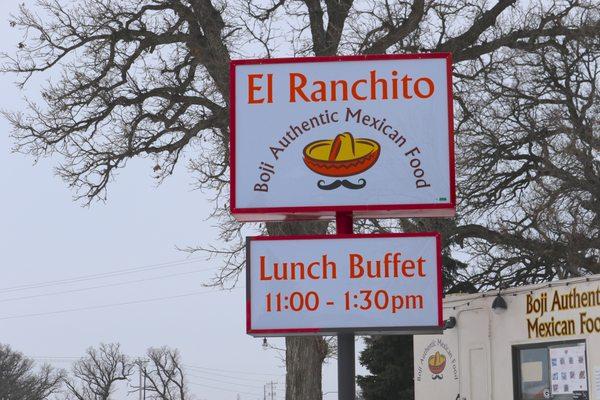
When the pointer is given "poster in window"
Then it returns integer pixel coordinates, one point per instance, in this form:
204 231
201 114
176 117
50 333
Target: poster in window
568 370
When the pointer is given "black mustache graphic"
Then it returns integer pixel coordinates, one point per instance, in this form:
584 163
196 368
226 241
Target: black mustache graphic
345 183
439 376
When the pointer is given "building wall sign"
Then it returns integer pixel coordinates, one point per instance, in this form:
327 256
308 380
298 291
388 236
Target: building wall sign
368 134
564 311
436 369
437 362
360 283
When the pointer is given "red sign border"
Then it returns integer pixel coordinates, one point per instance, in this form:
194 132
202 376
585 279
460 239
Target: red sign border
362 330
258 214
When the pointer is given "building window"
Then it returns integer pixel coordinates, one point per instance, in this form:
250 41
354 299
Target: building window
556 370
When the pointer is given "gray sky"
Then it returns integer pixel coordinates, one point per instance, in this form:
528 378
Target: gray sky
45 236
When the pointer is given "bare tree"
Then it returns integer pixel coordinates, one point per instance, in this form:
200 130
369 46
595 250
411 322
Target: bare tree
148 78
532 152
19 379
96 375
164 375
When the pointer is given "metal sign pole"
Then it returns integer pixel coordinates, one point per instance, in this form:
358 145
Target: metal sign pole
346 364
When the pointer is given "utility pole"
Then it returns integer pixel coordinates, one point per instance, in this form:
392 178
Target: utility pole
144 386
271 394
140 385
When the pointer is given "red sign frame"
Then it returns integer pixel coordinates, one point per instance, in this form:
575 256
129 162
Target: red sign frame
361 330
360 210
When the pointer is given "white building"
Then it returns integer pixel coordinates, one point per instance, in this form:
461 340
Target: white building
539 342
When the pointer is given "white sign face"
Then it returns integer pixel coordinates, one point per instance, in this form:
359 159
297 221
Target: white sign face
372 135
360 283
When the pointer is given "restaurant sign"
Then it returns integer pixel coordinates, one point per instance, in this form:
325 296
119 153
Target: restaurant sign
358 283
367 134
560 312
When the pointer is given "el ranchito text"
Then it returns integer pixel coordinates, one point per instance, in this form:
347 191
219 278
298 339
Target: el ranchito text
374 86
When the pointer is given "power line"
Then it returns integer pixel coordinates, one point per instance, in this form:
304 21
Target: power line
52 360
103 286
225 376
229 370
72 359
112 305
220 388
194 369
55 358
220 381
88 277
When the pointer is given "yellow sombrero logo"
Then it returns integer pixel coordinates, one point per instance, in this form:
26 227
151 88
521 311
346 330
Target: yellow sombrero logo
436 364
342 156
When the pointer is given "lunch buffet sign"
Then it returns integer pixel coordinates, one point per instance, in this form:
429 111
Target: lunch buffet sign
359 283
368 134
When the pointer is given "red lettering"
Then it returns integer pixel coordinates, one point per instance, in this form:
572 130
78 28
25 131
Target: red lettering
430 85
355 89
263 275
356 268
252 88
297 88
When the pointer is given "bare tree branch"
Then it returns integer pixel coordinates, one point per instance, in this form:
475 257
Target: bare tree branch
96 375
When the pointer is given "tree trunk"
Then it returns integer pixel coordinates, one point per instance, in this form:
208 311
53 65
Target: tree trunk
304 356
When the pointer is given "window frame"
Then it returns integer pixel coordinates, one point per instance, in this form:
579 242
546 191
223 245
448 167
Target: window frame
516 360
